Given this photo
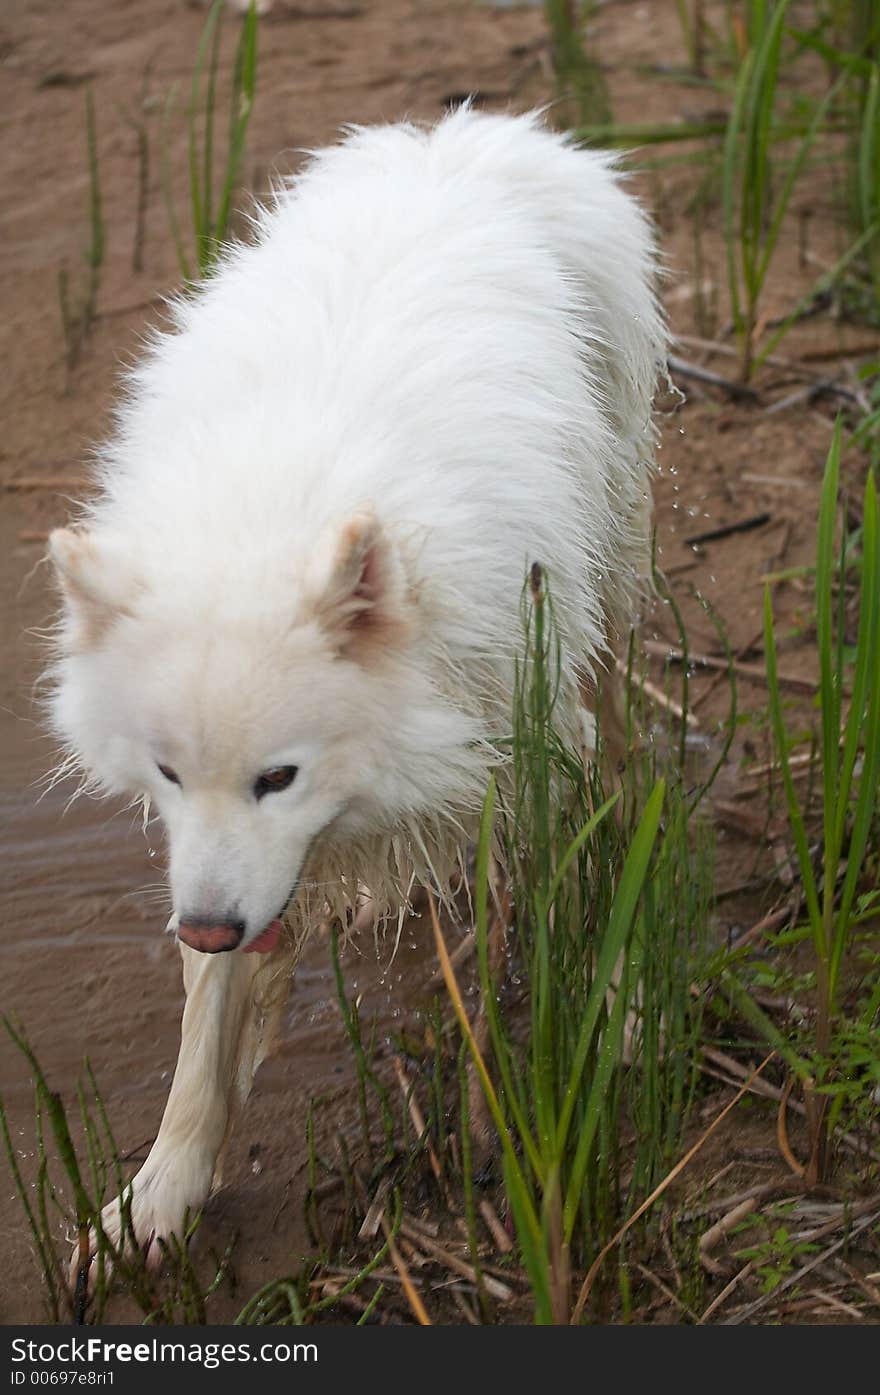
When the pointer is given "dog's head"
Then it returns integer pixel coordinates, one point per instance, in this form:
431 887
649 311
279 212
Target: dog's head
254 707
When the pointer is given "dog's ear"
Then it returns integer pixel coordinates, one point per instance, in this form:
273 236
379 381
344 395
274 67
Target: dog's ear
96 581
358 587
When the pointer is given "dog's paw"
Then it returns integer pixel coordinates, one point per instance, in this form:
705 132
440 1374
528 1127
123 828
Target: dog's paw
156 1204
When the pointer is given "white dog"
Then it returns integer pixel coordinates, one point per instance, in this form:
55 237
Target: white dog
291 615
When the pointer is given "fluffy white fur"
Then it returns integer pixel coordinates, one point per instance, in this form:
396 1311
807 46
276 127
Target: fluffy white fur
433 366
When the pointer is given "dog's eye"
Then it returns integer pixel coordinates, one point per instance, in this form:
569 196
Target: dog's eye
169 774
272 781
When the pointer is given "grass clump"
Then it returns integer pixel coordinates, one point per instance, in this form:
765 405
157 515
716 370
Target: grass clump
826 1057
753 210
579 77
211 193
65 1206
867 164
605 952
63 1211
78 314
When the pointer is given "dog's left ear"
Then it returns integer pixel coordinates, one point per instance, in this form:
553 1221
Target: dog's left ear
358 589
96 582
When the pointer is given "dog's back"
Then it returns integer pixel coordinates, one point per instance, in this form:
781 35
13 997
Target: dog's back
454 328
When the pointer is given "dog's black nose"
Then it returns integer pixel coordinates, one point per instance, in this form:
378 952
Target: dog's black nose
210 936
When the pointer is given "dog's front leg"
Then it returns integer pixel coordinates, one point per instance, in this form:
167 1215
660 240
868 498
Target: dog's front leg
218 1024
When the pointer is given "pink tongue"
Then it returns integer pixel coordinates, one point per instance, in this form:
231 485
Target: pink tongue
267 941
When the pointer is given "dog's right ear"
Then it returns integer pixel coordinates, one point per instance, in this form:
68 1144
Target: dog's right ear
96 582
357 588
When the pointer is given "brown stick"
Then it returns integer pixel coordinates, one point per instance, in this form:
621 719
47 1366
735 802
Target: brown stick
417 1118
727 530
666 1291
782 1130
740 392
722 673
458 1266
412 1296
753 672
840 351
657 696
720 1230
768 922
44 482
503 1242
459 956
773 482
712 346
807 394
726 1292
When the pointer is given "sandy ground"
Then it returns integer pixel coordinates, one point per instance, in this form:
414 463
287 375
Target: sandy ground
85 966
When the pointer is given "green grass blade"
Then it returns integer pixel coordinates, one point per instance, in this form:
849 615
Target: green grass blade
197 191
829 673
48 1262
208 141
864 677
745 1004
771 236
510 1095
576 845
168 189
608 1059
794 811
730 161
869 638
823 283
241 106
613 944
